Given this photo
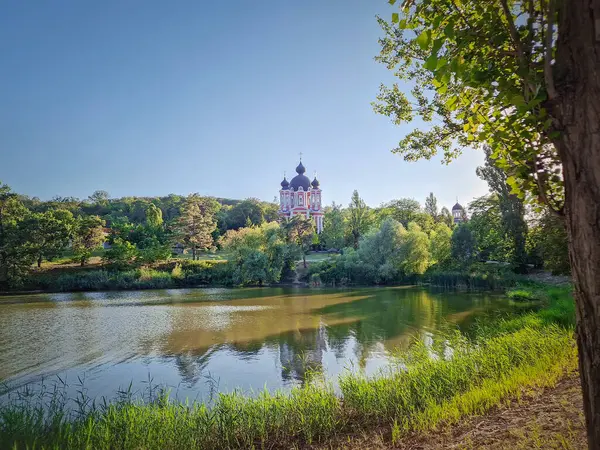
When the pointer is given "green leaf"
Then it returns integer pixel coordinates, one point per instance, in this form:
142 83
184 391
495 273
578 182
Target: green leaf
423 40
449 30
402 24
431 62
395 18
391 2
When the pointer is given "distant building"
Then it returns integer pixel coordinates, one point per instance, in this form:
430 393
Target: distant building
301 197
459 214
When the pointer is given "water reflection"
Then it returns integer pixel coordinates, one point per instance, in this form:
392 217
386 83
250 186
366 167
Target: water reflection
248 338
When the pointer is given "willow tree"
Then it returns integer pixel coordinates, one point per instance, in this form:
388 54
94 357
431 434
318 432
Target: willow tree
524 78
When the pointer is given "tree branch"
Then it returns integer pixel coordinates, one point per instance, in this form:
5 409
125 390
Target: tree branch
516 40
548 76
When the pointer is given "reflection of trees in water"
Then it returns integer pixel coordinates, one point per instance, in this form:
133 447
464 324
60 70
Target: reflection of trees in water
377 319
191 366
301 352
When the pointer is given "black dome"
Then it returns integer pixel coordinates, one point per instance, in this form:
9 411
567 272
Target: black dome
300 169
285 183
315 183
457 207
300 181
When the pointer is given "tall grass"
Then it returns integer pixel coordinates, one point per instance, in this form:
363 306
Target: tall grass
424 389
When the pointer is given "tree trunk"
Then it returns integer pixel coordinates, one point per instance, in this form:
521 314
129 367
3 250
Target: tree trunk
582 210
82 261
193 253
39 261
304 259
576 110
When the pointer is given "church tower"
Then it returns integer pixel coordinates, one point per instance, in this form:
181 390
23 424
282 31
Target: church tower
301 197
458 213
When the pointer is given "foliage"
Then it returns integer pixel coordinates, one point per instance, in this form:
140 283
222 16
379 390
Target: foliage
88 235
547 242
121 253
479 71
403 210
260 254
416 249
49 233
333 234
359 218
301 231
15 256
196 224
512 210
463 245
154 216
431 206
441 245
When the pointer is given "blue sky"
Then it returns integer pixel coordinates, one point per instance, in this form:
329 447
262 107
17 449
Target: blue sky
149 98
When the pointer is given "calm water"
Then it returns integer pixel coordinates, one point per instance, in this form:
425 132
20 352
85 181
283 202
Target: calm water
238 338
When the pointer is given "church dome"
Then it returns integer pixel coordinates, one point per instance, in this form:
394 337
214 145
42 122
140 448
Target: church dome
457 207
285 184
300 180
315 183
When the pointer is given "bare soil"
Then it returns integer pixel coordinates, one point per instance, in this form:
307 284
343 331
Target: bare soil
550 418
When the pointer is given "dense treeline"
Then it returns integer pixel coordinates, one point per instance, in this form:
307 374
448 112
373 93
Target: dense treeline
399 241
136 231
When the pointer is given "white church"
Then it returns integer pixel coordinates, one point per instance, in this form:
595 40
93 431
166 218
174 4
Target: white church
300 196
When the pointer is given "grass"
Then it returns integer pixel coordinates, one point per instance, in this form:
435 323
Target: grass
423 390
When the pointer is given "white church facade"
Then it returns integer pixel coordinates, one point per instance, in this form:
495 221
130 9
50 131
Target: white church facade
301 197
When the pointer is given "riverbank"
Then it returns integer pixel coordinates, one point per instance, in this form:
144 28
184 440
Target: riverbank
549 417
217 273
427 388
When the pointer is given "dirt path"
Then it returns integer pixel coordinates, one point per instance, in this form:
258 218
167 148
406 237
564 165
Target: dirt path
551 418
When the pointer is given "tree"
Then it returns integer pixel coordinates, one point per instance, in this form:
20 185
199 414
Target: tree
100 197
441 244
463 245
259 253
300 231
154 217
333 227
511 207
197 223
431 206
487 228
49 233
382 250
88 235
121 253
548 241
522 77
15 256
404 210
417 256
446 217
359 218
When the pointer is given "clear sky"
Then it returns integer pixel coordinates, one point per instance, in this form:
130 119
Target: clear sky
148 98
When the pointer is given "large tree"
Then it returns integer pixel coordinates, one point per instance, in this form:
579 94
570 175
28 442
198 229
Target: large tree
88 235
359 217
524 78
431 206
333 227
49 233
512 209
15 256
197 223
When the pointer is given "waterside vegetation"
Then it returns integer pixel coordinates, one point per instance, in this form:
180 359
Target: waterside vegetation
428 386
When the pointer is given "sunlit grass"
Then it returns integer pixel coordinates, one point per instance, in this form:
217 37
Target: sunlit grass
426 388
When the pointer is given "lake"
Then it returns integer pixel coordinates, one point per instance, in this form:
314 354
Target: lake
199 341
